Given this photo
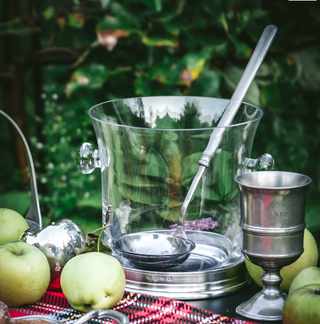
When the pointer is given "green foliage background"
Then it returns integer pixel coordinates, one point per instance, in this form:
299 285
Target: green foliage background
134 48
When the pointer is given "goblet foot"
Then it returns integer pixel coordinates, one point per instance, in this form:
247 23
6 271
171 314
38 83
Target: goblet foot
266 305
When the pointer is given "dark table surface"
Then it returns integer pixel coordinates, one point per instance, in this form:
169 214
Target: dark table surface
226 305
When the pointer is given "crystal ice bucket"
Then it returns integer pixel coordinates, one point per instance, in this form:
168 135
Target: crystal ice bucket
148 153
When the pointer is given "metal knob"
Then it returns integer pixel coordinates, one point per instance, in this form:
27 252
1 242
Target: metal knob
265 162
88 158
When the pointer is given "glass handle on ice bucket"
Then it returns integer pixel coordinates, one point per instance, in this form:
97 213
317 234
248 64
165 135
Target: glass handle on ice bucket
265 162
87 158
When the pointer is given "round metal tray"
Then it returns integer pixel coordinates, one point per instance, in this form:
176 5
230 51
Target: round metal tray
213 269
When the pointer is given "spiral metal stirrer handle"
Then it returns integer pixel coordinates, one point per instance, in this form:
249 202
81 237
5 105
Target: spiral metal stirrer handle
103 314
254 63
33 216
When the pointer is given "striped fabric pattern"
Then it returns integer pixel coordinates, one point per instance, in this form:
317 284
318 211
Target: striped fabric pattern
139 308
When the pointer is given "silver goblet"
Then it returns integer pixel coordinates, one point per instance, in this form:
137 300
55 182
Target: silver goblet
272 207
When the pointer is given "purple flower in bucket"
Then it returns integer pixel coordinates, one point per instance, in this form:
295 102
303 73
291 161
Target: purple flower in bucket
199 224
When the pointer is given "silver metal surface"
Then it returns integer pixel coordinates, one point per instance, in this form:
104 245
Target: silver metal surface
213 269
250 71
33 216
59 242
94 314
273 221
182 215
104 314
154 251
47 318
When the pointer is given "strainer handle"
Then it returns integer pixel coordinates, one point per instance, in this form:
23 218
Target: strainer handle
33 216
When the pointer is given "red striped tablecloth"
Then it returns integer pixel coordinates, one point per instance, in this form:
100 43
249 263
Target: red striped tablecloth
140 309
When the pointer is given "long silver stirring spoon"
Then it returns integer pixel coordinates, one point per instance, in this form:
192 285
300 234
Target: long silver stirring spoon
128 246
249 73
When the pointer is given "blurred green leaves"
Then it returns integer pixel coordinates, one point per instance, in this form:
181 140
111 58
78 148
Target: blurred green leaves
18 26
197 62
16 200
76 20
232 77
92 77
154 4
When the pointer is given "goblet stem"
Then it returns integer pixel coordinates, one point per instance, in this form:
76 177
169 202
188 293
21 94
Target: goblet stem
271 280
267 304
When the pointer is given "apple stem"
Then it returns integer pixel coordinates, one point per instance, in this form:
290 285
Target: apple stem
99 238
104 227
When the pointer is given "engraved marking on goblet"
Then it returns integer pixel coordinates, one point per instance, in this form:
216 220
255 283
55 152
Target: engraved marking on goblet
273 215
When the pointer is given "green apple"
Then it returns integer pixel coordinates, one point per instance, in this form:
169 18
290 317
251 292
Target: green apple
12 225
93 281
302 306
307 276
24 274
308 258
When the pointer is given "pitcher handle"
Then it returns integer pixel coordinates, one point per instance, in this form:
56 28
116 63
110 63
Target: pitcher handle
88 158
265 162
33 216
